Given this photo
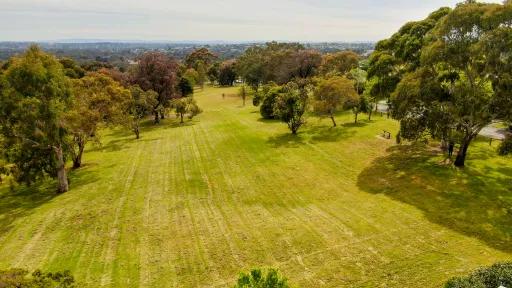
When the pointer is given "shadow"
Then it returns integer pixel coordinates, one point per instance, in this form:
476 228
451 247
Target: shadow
469 201
359 124
329 134
286 140
263 120
18 200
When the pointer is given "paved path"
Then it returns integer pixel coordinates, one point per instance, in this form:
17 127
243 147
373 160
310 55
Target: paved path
494 133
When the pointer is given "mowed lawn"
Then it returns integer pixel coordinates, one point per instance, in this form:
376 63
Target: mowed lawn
193 205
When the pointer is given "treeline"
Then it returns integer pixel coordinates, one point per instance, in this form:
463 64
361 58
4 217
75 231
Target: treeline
51 108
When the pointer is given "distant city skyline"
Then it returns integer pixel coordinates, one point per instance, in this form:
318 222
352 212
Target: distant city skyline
207 21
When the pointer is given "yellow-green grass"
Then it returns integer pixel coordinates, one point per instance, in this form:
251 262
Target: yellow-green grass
192 205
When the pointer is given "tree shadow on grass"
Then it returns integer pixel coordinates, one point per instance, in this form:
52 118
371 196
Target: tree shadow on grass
329 134
468 201
286 140
19 201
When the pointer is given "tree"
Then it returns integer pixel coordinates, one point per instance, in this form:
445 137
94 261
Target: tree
185 87
140 105
158 72
259 279
71 69
201 55
97 99
462 83
213 73
34 97
270 93
201 74
339 63
242 92
19 278
498 275
291 105
361 106
185 106
334 94
192 76
227 73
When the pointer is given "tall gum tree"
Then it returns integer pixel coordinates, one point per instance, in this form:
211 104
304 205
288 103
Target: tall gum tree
34 97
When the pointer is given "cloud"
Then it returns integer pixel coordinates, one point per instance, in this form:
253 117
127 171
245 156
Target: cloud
232 20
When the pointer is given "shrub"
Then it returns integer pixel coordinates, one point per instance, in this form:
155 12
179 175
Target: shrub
505 147
267 106
20 278
259 279
491 277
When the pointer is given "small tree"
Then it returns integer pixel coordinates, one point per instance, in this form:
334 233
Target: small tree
242 92
334 94
141 105
362 106
498 275
186 87
38 279
227 73
259 279
291 105
98 99
186 106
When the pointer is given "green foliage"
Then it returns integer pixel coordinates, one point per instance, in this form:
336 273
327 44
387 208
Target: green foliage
339 63
185 106
498 275
227 73
192 76
261 279
34 97
277 62
505 147
98 100
213 73
140 105
270 94
71 69
185 87
291 105
19 278
334 94
449 73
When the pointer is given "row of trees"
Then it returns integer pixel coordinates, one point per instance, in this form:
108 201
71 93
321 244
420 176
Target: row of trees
50 109
450 75
289 80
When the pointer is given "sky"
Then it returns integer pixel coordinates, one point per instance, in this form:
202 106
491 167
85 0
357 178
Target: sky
210 20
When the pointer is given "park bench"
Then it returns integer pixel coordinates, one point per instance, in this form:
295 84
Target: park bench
386 134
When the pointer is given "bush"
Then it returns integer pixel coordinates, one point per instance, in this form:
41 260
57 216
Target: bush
505 147
491 277
267 106
257 279
20 278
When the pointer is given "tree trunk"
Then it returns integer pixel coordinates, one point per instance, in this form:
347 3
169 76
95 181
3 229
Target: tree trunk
157 118
61 171
462 153
77 160
243 99
162 115
355 121
181 116
333 121
370 115
137 132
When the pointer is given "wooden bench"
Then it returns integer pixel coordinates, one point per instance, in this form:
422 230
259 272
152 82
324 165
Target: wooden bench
386 134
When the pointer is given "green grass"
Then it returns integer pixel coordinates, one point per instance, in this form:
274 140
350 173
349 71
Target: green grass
193 205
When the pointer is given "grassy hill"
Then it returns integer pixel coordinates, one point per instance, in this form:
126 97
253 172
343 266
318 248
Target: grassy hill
192 205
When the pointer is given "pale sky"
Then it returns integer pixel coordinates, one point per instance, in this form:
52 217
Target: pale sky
210 20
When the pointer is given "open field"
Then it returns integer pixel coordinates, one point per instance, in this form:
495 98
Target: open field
192 205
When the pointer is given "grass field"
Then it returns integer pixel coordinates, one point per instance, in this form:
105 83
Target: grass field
193 205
